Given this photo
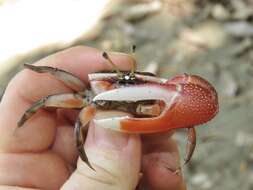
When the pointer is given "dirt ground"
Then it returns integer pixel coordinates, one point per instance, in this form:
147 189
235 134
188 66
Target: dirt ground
211 38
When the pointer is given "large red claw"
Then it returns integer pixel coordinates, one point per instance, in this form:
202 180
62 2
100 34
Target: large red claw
190 100
194 106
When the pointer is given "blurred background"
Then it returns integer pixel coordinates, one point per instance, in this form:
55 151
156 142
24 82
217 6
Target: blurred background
211 38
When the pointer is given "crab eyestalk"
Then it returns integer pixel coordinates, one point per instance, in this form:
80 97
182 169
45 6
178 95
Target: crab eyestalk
134 66
119 73
133 49
106 56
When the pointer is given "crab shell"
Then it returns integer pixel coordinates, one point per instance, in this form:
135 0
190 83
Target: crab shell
189 101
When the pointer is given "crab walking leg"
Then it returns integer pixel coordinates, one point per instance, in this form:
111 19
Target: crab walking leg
67 78
81 129
191 144
56 101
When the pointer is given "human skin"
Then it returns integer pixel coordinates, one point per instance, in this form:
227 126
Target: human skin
42 154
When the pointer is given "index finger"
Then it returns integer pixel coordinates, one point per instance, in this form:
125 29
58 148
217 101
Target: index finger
28 86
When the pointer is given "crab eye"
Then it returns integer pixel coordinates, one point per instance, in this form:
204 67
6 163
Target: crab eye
127 77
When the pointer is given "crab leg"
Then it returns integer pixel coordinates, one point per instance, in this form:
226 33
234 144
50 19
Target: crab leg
56 101
69 79
190 147
81 129
191 144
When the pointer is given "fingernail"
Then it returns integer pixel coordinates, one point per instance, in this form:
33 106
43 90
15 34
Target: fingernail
124 59
109 139
127 56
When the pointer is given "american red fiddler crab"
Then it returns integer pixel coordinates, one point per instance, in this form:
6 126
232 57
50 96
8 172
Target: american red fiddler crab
155 104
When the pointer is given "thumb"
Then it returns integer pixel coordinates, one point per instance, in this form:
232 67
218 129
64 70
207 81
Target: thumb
115 158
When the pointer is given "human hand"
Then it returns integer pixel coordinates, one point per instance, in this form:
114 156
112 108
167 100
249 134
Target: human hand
42 154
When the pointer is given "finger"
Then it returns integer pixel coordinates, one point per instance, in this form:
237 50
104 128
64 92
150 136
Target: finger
156 138
116 159
161 158
4 187
64 144
32 170
67 116
29 86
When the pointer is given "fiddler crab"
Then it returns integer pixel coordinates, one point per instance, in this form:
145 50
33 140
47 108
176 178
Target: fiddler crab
155 104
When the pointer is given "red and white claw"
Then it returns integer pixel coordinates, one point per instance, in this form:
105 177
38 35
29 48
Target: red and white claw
185 101
133 94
